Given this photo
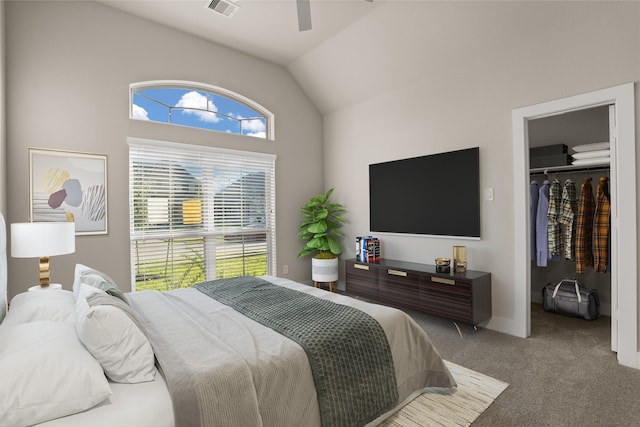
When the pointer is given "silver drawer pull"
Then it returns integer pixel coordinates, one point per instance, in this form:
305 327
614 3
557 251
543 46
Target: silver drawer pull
397 273
444 281
361 267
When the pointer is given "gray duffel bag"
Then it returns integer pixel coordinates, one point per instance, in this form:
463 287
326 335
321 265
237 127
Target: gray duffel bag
568 298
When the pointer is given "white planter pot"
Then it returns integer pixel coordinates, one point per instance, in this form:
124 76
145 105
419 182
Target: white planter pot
324 270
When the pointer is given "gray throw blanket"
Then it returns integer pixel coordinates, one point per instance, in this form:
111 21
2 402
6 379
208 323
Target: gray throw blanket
348 351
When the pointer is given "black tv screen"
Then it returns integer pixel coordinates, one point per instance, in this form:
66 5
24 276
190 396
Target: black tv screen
437 194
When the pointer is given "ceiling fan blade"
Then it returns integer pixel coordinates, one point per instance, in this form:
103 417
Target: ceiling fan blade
304 14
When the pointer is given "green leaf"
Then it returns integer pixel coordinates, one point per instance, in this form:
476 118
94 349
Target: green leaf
306 251
334 246
318 227
322 213
316 242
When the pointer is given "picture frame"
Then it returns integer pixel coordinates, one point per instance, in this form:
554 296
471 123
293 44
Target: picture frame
69 186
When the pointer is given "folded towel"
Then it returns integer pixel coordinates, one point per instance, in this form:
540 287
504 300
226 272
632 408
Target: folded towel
590 154
591 147
592 161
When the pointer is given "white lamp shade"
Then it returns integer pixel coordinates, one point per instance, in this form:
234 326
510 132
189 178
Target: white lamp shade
42 239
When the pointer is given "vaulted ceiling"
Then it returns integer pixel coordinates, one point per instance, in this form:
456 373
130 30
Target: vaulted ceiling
267 29
358 49
264 28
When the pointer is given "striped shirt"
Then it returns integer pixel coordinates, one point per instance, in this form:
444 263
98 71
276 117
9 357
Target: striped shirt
584 227
568 209
601 224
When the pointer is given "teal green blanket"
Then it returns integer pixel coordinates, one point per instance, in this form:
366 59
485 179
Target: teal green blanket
348 351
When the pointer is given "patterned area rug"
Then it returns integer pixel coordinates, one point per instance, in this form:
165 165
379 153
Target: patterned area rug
446 407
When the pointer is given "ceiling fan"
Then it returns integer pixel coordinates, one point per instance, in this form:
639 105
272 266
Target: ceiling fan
304 14
227 8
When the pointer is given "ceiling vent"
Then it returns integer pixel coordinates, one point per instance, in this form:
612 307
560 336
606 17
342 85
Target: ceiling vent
224 7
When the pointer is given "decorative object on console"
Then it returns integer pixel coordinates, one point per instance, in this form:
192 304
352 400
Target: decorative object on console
320 227
42 240
443 265
68 186
367 249
459 259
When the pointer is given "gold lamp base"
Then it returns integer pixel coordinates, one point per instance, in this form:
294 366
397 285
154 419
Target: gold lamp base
44 271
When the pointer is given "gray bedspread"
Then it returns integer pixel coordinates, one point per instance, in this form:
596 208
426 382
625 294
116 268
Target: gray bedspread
225 369
347 349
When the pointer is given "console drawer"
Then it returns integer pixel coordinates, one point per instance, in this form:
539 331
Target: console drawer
399 287
362 279
445 287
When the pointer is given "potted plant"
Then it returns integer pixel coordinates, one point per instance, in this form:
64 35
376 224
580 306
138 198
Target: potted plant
320 227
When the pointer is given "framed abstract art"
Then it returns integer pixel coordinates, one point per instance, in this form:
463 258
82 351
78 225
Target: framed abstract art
68 186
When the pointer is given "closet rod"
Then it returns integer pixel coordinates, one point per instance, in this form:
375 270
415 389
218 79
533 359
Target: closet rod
567 169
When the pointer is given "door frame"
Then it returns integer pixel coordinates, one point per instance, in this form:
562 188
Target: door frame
624 284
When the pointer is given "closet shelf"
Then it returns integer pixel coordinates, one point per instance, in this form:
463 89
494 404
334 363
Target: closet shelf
572 168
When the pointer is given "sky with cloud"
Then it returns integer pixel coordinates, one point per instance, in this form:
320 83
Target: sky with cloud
197 109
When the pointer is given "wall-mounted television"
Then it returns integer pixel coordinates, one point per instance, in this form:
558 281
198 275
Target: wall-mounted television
437 195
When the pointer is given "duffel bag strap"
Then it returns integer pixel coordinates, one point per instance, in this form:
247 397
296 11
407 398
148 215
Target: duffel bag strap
575 282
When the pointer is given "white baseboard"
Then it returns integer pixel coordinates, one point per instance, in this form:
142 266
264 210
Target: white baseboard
506 326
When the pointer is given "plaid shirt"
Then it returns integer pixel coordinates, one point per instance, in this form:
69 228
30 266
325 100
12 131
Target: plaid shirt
601 225
568 209
584 227
553 227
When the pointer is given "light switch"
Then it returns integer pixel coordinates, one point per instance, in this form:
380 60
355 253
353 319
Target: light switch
488 194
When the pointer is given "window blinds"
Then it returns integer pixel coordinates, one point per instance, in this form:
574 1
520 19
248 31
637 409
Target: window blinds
199 213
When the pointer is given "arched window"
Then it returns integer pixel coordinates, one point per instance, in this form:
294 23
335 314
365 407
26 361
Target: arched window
200 106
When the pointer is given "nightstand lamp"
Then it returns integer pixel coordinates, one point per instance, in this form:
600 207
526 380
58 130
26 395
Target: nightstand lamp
42 240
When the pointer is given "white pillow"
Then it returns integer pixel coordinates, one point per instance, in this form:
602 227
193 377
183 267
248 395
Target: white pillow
592 161
590 154
591 147
76 279
97 279
46 373
55 305
113 338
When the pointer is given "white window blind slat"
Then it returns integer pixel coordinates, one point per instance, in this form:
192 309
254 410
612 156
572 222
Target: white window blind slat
198 213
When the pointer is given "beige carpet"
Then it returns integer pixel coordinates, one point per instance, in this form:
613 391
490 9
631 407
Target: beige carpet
450 407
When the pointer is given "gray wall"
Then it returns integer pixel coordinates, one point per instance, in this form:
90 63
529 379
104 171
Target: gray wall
69 66
3 139
524 53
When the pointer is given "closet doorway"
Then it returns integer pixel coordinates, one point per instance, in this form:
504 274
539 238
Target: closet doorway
624 294
572 129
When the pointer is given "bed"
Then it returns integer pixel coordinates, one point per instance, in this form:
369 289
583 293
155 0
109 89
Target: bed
207 356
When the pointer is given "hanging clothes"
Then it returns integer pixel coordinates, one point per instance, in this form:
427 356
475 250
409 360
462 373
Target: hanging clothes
601 224
542 238
584 227
533 212
553 212
568 209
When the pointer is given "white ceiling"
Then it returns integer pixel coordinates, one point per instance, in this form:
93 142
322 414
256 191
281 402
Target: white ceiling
265 28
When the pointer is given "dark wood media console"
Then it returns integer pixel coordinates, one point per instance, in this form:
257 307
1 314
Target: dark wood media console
463 297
